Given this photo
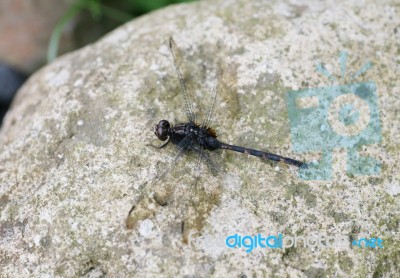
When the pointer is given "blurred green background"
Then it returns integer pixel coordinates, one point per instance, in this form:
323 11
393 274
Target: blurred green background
34 33
108 14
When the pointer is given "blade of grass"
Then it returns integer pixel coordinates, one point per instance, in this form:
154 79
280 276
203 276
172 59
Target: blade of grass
56 34
77 7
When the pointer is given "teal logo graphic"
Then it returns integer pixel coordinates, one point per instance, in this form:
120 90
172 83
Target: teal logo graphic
339 116
368 243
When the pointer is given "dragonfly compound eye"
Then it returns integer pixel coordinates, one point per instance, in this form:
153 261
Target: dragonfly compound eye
162 130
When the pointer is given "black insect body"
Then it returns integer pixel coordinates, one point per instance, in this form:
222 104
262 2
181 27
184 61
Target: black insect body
205 138
200 138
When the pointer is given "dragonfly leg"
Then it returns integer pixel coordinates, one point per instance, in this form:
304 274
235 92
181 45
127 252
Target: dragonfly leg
162 145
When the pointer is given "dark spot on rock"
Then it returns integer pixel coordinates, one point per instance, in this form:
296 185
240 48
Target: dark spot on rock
45 241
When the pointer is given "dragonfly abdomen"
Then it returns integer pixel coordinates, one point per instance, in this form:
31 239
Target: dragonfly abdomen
265 155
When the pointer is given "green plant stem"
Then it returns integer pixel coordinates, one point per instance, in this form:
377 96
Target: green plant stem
71 13
56 34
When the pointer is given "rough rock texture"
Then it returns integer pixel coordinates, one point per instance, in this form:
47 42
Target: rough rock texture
74 160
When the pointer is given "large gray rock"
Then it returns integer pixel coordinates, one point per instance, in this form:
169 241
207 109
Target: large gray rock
74 160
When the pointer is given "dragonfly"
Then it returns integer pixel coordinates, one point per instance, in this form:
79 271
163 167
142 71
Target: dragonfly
199 136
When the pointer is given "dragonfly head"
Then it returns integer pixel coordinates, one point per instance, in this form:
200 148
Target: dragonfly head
161 130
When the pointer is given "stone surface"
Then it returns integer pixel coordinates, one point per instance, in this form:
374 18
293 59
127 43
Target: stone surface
78 195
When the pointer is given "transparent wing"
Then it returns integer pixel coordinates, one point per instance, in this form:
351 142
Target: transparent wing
212 166
182 147
199 166
217 82
184 80
204 156
224 94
